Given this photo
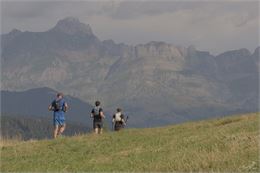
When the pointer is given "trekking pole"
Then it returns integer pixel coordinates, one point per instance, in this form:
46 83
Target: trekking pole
126 120
112 126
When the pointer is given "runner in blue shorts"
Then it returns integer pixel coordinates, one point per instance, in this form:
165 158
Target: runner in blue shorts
59 107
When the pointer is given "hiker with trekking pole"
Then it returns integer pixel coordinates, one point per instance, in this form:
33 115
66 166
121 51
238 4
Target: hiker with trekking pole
118 121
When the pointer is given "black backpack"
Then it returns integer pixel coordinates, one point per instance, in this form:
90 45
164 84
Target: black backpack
96 112
56 104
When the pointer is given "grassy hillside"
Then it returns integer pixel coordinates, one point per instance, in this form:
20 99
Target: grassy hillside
227 144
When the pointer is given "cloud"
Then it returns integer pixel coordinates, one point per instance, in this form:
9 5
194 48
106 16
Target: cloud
185 27
215 26
21 10
133 9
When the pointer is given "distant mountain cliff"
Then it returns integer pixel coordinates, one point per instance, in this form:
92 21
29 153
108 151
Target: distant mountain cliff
156 83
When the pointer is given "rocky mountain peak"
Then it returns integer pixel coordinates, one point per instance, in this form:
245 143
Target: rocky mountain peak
256 56
235 53
71 26
15 32
156 43
257 50
191 50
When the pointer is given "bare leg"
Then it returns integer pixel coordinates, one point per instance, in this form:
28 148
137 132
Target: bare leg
55 131
96 130
100 130
62 128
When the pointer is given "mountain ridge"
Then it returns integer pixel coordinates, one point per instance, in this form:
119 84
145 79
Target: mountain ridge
149 80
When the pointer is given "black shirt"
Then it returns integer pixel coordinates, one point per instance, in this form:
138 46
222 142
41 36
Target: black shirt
96 111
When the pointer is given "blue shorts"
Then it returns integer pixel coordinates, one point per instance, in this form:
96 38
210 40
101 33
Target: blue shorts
58 122
58 118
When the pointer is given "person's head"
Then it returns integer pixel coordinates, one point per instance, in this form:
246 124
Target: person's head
97 103
118 110
59 95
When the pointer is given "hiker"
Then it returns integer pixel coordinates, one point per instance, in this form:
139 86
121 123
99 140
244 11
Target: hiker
98 116
59 107
118 120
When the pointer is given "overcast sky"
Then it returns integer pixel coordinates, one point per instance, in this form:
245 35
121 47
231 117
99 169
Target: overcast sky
214 26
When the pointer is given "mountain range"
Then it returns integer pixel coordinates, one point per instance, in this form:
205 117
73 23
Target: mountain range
155 83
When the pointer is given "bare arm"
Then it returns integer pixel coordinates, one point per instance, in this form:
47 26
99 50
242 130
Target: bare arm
66 107
113 119
50 108
123 119
92 114
102 114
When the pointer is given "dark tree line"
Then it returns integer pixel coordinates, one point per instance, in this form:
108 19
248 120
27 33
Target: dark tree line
24 128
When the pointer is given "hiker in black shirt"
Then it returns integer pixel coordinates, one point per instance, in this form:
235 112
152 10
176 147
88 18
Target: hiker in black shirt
98 116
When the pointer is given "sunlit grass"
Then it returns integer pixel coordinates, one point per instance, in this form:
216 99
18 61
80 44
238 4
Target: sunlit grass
226 145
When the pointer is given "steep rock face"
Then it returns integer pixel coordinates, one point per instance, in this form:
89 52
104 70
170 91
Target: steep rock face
72 26
239 70
153 82
256 56
236 62
150 80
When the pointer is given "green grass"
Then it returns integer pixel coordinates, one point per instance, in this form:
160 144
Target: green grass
221 145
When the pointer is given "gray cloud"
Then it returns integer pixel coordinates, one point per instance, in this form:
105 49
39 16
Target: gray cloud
214 26
22 10
133 9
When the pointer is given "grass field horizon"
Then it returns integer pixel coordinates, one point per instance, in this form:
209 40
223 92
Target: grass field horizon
227 144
